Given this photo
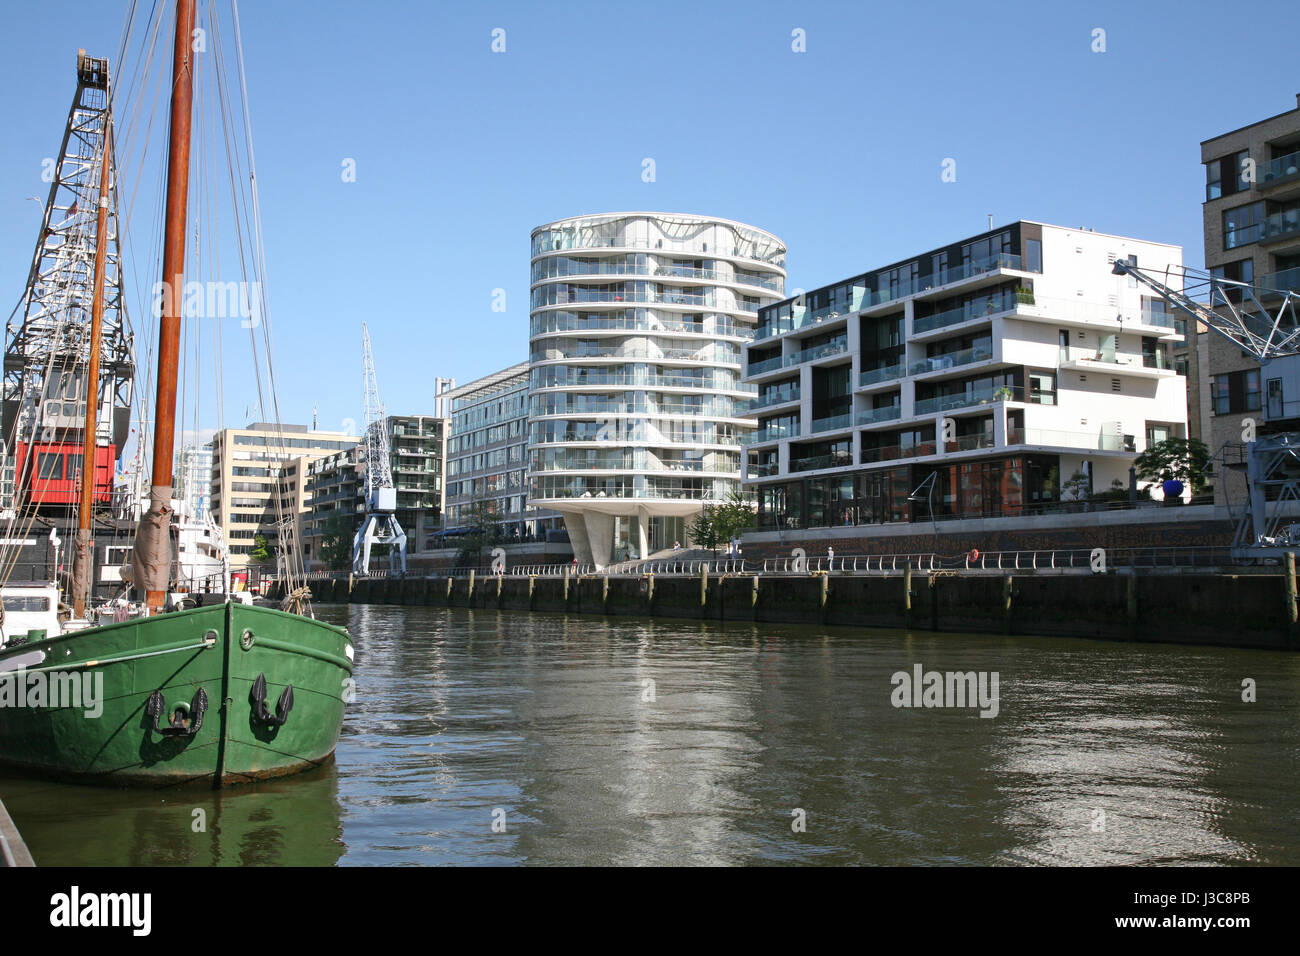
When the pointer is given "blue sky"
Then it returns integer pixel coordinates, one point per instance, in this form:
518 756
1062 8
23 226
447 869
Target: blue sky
460 151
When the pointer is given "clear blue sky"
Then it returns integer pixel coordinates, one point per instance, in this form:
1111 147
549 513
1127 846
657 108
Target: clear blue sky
460 152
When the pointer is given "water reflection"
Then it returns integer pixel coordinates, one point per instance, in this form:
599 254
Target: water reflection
480 737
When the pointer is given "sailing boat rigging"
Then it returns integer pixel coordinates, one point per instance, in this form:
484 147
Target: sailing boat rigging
184 693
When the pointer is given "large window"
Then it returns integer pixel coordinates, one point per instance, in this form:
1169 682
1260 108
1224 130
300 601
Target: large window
1235 392
1243 225
1042 388
1033 255
981 250
49 466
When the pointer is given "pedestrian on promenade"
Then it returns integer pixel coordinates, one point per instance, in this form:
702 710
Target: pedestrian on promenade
830 558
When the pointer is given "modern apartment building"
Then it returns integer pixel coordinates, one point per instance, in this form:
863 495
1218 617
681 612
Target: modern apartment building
248 495
637 410
487 459
335 486
416 450
976 379
1252 234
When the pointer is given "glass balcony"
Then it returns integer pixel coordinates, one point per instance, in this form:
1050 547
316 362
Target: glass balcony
867 300
820 351
1091 441
951 360
837 459
875 375
790 393
1281 225
765 470
1288 280
758 368
873 416
1281 169
894 452
772 433
943 403
964 313
970 442
832 423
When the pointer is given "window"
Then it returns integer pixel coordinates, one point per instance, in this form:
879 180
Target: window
1241 162
1235 392
1243 225
1213 179
982 250
1042 388
49 466
1033 255
938 266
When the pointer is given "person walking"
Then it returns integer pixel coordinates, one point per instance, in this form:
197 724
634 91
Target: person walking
830 558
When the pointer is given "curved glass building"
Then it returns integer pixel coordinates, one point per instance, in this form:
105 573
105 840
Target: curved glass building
637 412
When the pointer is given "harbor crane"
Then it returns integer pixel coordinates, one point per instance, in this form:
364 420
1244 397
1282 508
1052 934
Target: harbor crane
380 525
1236 311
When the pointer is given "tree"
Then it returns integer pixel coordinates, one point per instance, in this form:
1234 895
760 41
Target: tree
336 534
1178 459
261 552
717 524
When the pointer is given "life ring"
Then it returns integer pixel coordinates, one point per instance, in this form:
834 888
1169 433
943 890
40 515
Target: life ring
974 555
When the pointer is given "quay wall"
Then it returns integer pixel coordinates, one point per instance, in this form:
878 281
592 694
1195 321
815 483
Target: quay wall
1187 607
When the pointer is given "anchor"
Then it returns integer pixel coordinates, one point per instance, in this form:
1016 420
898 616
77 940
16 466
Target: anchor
186 719
282 706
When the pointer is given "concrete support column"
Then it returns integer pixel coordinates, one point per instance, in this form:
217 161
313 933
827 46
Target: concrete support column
600 537
643 532
575 523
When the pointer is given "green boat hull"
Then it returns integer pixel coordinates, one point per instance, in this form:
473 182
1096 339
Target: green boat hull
222 650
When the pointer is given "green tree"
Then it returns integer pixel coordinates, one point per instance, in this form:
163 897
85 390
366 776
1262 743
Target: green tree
261 552
1181 459
716 525
336 534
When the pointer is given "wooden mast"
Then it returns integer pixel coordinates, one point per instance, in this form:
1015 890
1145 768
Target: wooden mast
169 332
81 560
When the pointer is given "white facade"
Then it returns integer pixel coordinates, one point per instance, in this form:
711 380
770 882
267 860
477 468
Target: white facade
637 411
1036 349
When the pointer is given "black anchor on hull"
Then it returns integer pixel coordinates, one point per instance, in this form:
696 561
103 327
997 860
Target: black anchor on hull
176 725
282 706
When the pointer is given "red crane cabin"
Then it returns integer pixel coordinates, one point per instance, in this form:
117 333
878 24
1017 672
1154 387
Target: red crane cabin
53 477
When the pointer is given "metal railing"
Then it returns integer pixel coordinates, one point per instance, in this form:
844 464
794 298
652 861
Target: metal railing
1050 561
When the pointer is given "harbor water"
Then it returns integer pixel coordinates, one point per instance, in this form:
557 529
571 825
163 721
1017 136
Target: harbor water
485 737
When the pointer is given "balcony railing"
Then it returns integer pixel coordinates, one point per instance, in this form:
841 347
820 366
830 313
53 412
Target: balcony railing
1282 168
942 403
867 300
816 352
1091 441
758 368
837 459
1288 280
873 416
894 452
1281 224
970 442
980 309
832 423
780 396
772 433
949 360
765 470
888 373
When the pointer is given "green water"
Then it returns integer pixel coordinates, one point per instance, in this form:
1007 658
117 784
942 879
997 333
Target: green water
501 738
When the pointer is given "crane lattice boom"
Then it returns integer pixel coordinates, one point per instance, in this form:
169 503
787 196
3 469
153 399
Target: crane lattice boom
1234 309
